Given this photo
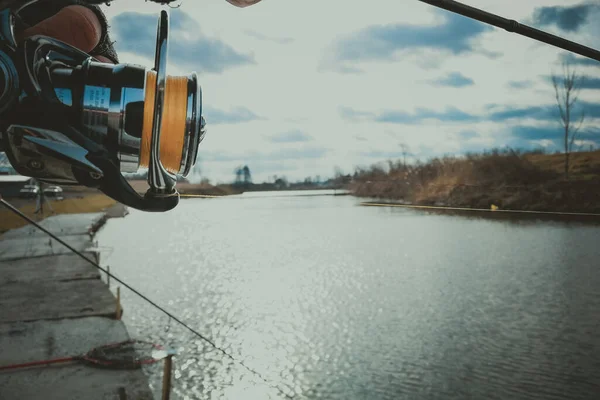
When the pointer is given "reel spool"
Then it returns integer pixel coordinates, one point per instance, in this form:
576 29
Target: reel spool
68 119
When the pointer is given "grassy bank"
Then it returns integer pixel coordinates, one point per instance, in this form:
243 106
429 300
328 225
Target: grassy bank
80 199
507 179
92 202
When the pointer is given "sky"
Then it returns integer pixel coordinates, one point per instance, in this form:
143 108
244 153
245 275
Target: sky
296 88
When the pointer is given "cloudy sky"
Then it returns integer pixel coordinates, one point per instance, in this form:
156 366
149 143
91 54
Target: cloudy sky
298 87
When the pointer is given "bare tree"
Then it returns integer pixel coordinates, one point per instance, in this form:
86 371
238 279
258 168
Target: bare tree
247 174
239 171
337 172
567 89
405 150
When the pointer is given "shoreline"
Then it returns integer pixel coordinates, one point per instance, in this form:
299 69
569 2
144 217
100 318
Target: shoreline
575 197
118 210
73 203
514 216
503 178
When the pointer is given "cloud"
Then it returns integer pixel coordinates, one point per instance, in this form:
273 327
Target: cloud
568 19
520 84
495 113
295 136
590 82
289 154
352 114
468 135
570 58
345 69
260 36
542 113
234 116
587 82
523 136
136 33
550 132
454 34
537 133
451 114
383 155
454 79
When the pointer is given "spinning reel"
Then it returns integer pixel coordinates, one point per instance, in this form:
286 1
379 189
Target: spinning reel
68 119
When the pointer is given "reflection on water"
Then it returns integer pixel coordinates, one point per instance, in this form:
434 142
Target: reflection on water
334 301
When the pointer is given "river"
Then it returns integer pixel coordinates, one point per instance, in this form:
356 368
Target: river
332 300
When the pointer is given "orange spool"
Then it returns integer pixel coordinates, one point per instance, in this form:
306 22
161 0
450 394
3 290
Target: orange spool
173 124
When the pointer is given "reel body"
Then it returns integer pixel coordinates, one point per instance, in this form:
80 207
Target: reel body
68 119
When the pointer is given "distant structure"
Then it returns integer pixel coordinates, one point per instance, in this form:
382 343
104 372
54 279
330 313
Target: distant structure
243 175
281 183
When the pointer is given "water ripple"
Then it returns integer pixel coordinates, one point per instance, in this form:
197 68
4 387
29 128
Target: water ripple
331 301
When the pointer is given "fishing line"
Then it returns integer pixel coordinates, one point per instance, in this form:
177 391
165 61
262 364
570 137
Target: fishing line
170 315
173 123
374 204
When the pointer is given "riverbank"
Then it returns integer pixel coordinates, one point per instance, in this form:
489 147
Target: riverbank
506 216
79 199
85 202
507 180
54 304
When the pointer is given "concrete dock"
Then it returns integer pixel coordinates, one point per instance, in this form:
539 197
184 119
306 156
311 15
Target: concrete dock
54 304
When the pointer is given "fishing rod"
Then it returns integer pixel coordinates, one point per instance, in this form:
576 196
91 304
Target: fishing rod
514 27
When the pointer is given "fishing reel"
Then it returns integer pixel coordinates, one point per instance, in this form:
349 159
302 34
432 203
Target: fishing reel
68 119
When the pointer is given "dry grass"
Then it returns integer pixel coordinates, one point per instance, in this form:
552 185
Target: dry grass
583 165
505 178
84 204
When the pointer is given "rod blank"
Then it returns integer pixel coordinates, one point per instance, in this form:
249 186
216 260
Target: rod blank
515 27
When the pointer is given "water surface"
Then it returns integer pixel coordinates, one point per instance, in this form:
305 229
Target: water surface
330 300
